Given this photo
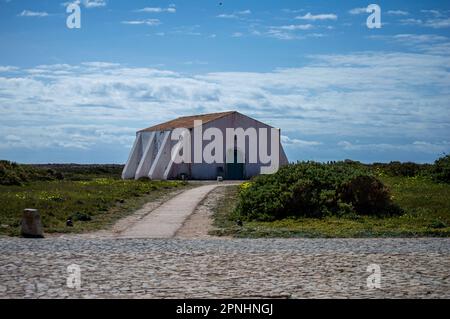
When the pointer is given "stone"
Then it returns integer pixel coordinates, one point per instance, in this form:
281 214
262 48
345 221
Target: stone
225 268
31 224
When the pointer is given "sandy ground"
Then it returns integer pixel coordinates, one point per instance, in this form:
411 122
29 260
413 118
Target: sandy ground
200 223
167 219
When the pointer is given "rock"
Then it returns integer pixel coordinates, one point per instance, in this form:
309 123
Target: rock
31 224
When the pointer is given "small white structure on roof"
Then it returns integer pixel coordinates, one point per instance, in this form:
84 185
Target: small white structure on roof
254 147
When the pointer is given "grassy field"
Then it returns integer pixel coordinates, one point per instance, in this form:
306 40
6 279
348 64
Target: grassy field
95 197
93 203
426 205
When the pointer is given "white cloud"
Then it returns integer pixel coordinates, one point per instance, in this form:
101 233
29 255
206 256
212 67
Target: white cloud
435 13
427 43
7 68
356 11
287 141
244 12
196 62
99 65
280 35
438 23
294 27
170 9
411 21
64 136
420 38
234 15
28 13
293 10
287 32
312 17
87 3
341 97
227 16
190 30
431 23
433 19
150 22
398 12
416 146
94 3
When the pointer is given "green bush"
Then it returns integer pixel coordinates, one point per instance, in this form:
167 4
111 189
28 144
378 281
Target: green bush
441 169
407 169
15 174
368 196
12 174
18 174
315 190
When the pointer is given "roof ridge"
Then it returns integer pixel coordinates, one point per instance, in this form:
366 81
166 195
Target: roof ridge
169 125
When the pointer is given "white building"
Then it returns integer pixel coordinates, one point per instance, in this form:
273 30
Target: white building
153 149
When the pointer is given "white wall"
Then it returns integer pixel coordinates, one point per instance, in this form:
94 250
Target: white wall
209 171
195 171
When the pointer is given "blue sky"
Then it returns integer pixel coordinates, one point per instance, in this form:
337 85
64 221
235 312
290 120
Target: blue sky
336 88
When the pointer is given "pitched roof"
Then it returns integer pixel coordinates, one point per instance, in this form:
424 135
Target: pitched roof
187 121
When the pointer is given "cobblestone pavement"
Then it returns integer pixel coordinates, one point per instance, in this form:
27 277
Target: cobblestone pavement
170 268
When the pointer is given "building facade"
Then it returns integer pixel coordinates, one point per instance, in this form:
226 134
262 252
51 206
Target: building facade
153 151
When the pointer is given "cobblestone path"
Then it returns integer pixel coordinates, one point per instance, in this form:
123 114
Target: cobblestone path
170 268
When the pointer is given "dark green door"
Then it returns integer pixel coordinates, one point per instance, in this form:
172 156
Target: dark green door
235 171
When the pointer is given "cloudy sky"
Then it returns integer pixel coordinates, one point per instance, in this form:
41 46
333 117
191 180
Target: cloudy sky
336 88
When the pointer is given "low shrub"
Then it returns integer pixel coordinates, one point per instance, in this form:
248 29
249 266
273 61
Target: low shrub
82 217
438 224
18 174
368 196
441 169
13 173
407 169
315 190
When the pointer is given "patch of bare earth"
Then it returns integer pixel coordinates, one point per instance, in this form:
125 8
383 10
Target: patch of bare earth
200 223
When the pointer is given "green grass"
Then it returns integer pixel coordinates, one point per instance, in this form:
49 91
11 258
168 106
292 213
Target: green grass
224 217
103 200
427 206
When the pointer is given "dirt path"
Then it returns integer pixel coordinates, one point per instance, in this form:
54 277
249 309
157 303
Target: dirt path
164 221
185 214
200 223
124 223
